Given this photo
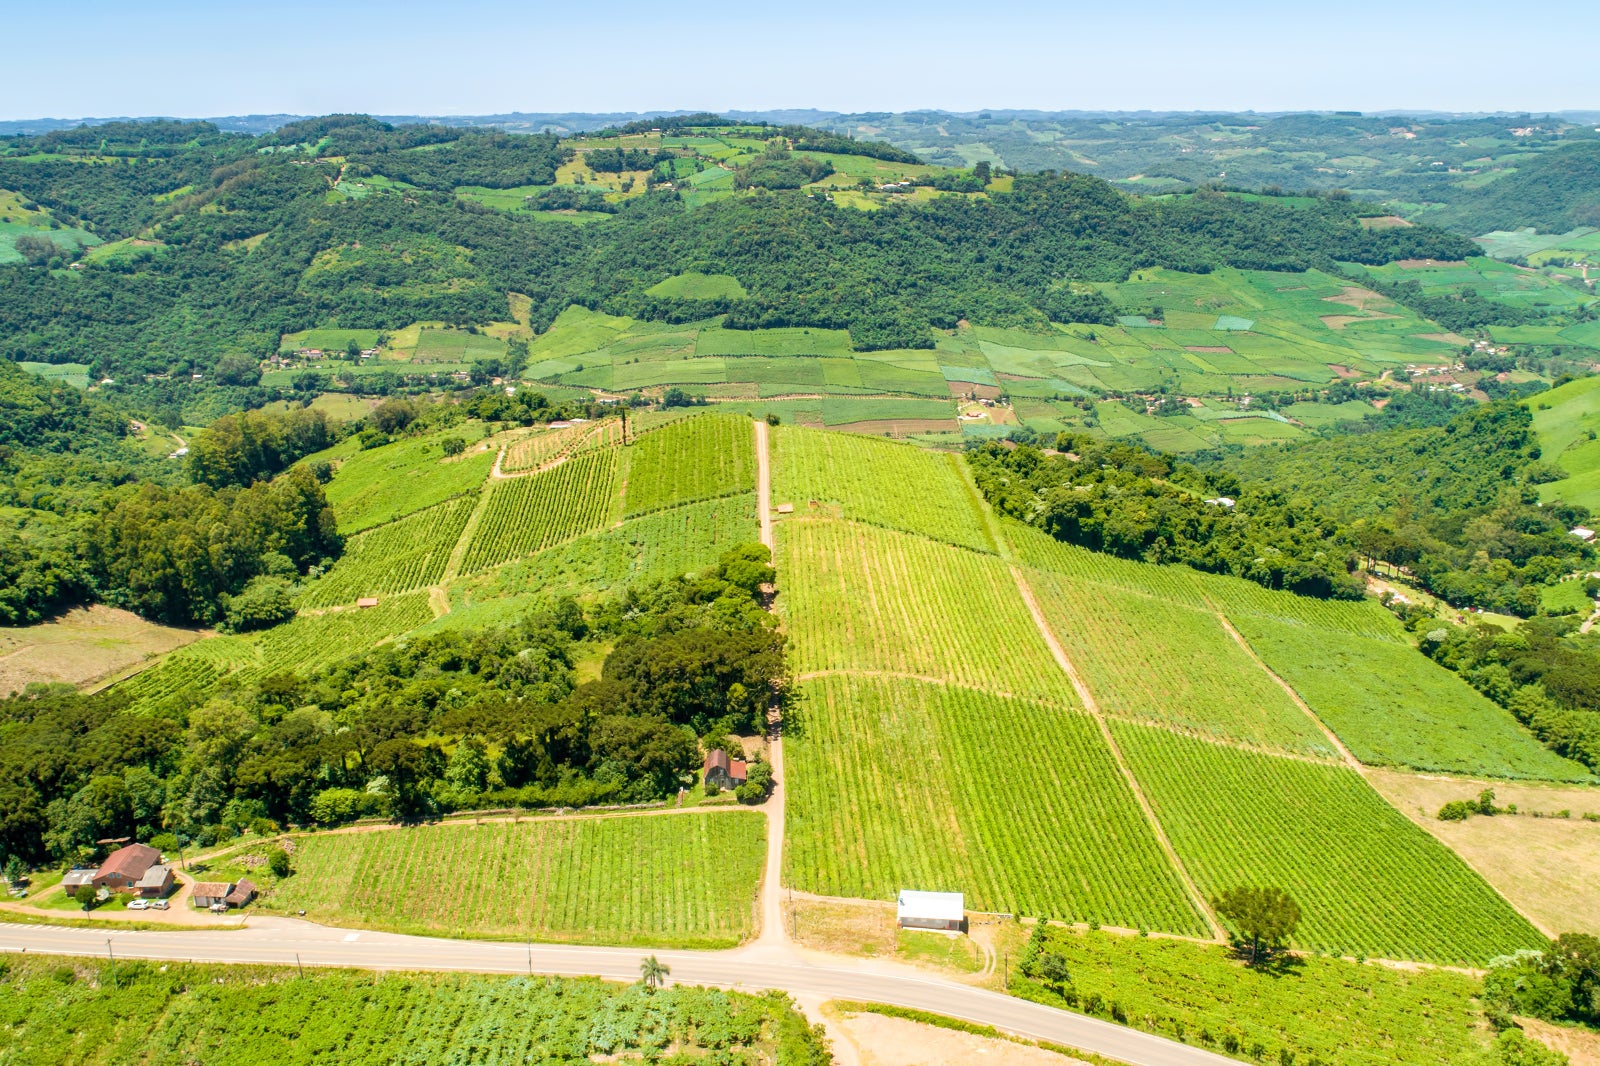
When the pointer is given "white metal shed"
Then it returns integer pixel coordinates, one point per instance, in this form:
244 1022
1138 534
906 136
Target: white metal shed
932 910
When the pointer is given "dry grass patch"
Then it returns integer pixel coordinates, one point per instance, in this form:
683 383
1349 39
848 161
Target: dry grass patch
1548 867
884 1041
84 646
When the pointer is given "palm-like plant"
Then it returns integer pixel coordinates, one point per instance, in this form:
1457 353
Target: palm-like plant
653 972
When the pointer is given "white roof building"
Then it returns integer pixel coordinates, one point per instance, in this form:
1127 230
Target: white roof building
931 910
1583 534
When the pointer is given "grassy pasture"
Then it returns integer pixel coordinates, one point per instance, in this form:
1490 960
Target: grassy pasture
1567 420
709 455
74 374
1368 881
682 880
328 340
1343 1014
878 482
389 482
897 783
693 285
862 598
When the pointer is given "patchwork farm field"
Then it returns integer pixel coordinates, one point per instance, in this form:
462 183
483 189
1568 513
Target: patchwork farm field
712 455
1212 335
897 782
1368 881
401 556
677 880
1567 420
382 484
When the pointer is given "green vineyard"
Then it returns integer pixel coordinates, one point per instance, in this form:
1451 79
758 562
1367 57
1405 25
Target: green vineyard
670 880
1369 881
383 484
699 457
313 640
546 446
1172 665
904 784
879 482
1394 707
526 514
861 598
398 557
667 543
1041 551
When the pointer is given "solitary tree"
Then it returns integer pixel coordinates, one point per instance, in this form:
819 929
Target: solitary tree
1265 917
278 862
653 972
1052 970
85 896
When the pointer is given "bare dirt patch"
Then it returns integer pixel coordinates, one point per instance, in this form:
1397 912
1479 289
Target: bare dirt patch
900 427
885 1041
1213 348
1417 264
1384 222
1343 371
1548 867
83 646
1580 1046
1355 296
962 390
1443 338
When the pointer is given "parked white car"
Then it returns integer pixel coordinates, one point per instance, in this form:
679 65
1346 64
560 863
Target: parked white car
138 904
158 904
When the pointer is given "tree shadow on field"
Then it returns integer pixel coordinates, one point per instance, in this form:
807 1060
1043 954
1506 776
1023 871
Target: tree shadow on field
1278 963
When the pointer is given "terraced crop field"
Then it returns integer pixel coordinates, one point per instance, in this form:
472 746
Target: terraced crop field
1393 707
381 484
896 783
527 514
1368 881
709 455
1145 659
862 598
548 446
879 482
398 557
313 640
656 880
666 543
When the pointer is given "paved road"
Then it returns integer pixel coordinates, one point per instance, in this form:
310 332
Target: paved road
283 941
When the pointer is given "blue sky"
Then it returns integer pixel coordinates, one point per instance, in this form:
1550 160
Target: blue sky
179 57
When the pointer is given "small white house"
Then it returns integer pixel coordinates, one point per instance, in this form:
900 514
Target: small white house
932 910
1583 534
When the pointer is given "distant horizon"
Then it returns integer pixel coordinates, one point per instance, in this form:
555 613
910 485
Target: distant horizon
404 57
262 121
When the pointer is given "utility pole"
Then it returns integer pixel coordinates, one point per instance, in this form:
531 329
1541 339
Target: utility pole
113 966
298 965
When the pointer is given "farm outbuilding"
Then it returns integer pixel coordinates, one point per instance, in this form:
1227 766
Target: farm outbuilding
242 893
155 884
210 893
932 910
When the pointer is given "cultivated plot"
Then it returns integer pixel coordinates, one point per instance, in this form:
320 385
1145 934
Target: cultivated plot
709 455
1368 881
879 482
398 557
1392 706
907 784
526 514
668 880
862 598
